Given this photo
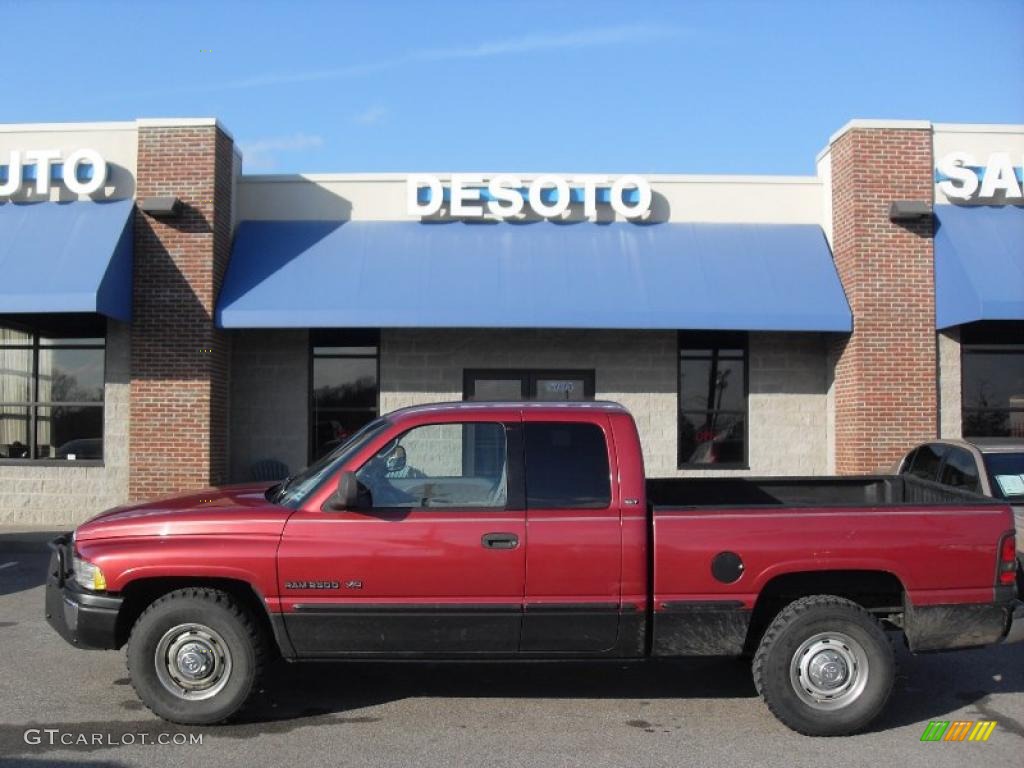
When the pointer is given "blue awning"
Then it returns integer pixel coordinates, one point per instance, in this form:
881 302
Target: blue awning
296 274
979 264
66 257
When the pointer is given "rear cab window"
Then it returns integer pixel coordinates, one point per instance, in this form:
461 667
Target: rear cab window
566 466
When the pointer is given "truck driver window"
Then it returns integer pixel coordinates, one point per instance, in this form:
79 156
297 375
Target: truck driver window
437 466
566 466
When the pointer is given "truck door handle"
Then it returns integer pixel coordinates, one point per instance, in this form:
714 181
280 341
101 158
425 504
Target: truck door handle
499 541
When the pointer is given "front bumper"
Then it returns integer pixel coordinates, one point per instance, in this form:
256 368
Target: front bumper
84 619
1015 631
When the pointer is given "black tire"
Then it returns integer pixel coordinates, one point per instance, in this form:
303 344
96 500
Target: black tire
206 625
836 643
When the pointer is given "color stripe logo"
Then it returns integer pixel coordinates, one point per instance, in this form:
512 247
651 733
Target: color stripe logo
958 730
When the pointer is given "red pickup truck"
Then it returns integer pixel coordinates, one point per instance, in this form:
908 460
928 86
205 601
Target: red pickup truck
529 531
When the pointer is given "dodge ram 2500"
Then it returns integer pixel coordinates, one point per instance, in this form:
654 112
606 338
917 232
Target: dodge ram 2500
529 531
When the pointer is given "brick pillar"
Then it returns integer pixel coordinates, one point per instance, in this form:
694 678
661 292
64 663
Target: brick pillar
179 360
885 376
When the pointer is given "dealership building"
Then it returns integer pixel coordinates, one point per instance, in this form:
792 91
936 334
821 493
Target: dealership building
169 322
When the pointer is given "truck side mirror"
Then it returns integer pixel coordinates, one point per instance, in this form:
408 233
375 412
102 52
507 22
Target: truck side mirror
346 495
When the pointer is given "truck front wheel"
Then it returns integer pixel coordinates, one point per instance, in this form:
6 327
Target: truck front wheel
825 666
195 655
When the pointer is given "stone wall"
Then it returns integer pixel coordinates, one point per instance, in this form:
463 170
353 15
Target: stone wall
269 400
788 384
950 412
63 496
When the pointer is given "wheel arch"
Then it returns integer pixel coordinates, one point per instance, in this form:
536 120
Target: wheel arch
880 592
141 593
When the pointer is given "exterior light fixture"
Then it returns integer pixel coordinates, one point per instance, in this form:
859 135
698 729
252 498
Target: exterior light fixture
909 210
167 206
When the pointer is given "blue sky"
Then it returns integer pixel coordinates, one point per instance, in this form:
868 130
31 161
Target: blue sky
682 87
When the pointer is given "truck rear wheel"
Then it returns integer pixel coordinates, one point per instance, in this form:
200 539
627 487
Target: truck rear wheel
195 656
825 666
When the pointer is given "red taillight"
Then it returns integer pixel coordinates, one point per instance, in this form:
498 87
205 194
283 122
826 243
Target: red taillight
1008 560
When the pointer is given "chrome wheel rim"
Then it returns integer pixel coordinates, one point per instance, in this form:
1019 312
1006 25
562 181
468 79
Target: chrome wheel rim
192 662
829 671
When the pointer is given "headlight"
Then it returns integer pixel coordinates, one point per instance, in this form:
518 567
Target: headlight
87 575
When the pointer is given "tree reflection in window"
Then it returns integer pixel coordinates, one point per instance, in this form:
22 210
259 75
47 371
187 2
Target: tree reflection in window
992 380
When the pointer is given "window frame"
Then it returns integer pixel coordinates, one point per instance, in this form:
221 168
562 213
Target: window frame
33 405
714 340
515 486
357 337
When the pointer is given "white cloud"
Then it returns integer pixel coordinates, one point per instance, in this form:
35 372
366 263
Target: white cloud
261 154
583 38
371 116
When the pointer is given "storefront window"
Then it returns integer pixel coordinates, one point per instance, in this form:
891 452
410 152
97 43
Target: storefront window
992 380
344 394
712 400
51 395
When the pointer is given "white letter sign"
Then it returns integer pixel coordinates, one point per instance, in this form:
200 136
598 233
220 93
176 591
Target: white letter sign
43 161
958 177
412 189
549 196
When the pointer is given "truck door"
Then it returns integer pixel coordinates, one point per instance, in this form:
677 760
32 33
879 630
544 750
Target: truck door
573 556
432 563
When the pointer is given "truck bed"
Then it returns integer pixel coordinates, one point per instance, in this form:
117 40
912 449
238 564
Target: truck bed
816 492
720 543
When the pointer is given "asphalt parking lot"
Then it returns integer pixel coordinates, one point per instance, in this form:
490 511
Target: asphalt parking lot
699 712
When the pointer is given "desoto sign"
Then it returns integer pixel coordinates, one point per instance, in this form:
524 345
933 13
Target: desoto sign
83 171
960 177
548 196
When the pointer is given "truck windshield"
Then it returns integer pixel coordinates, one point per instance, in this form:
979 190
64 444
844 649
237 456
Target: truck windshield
293 491
1007 473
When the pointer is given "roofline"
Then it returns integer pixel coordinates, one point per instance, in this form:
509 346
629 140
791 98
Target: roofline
118 125
880 125
659 178
184 122
978 127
